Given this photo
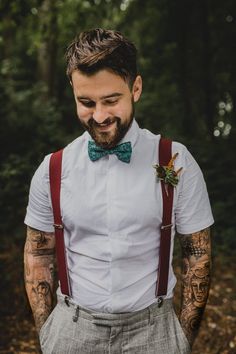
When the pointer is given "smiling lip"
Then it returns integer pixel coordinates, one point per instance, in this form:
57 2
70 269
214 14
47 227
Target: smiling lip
105 127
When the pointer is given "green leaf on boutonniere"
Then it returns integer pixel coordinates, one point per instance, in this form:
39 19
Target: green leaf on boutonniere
167 173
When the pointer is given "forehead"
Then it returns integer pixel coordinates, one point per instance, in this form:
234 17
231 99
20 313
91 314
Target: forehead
102 83
198 281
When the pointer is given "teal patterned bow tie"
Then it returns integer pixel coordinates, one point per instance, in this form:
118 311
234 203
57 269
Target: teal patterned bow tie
122 151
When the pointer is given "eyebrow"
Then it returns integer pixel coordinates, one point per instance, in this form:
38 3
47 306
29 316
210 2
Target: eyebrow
115 94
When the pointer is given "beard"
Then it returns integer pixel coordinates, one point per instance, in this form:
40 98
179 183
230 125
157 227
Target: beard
108 140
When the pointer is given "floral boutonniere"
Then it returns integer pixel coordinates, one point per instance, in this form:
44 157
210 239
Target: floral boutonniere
167 173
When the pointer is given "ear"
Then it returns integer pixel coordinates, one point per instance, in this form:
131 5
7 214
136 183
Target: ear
137 88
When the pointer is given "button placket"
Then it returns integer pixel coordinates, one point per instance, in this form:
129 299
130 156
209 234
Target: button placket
110 220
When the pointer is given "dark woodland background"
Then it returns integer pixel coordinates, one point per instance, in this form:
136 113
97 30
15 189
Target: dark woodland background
187 58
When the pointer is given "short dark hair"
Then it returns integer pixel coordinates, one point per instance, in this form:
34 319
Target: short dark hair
99 49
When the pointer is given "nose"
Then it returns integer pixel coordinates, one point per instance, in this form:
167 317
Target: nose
99 113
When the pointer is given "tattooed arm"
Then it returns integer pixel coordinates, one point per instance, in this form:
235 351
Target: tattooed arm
39 256
196 252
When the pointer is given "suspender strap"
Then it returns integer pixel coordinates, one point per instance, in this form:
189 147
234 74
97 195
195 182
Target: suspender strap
165 153
165 239
55 186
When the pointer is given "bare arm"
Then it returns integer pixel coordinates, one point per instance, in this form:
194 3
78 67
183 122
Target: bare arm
39 260
196 253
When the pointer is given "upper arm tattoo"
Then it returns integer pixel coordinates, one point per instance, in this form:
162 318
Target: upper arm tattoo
39 241
196 244
196 252
39 249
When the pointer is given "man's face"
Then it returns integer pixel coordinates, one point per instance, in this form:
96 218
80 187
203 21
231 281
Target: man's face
105 105
200 289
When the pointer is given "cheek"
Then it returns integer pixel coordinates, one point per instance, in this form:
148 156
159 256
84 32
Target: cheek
83 112
123 110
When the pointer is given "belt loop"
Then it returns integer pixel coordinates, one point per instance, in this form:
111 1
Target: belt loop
76 316
151 320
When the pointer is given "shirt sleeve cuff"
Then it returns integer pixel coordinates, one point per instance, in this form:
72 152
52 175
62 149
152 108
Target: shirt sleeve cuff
190 229
38 225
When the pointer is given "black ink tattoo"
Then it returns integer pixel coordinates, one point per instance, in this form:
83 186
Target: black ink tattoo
190 249
40 239
43 252
39 260
196 250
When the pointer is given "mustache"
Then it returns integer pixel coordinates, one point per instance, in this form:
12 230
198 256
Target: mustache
92 122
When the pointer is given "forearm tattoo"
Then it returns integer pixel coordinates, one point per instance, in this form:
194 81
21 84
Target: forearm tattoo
196 251
39 260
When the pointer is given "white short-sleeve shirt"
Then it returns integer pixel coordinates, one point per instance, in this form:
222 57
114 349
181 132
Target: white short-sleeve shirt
112 212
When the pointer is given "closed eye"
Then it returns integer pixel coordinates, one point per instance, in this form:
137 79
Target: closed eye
87 103
111 101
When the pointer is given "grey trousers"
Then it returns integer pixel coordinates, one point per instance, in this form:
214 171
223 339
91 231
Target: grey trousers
71 329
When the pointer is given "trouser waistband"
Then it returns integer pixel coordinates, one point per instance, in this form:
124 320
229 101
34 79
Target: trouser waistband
115 319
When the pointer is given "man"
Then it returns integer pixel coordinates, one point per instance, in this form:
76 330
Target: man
112 212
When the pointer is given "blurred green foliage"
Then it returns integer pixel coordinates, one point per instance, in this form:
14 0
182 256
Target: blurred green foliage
186 57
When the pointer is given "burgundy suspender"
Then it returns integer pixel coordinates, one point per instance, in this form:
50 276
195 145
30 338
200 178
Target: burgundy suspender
165 153
165 239
55 186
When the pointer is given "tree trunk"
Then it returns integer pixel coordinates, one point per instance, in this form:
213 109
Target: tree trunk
185 89
48 47
207 80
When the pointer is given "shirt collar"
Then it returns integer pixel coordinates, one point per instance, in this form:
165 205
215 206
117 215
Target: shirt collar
132 134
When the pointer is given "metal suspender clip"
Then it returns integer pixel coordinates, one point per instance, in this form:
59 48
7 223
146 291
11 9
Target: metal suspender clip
160 301
58 226
67 301
163 227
